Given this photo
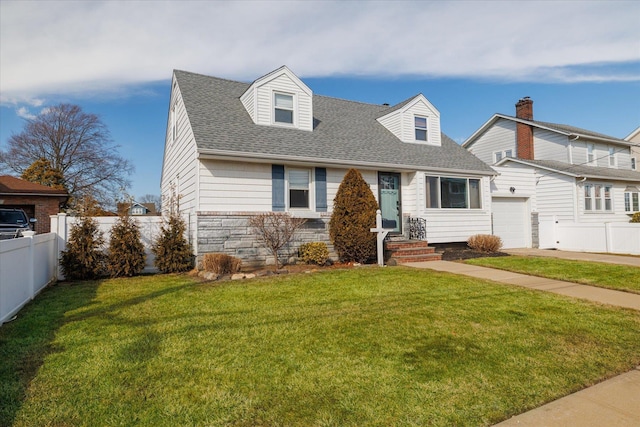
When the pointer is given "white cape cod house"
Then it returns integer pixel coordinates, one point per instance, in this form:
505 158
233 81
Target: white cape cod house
235 149
559 186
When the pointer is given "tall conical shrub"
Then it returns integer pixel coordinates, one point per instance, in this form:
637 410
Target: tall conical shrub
354 214
173 252
83 257
126 251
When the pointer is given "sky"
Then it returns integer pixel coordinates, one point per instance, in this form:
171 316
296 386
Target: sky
578 60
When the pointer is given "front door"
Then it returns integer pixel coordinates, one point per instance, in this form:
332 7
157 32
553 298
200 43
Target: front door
389 188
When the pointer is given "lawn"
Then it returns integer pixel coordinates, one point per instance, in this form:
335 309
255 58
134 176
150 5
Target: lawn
611 276
360 347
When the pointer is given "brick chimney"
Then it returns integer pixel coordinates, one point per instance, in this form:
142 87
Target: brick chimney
524 132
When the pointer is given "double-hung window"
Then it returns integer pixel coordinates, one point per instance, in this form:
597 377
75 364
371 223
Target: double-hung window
283 108
420 124
598 197
612 157
449 192
299 180
591 155
631 199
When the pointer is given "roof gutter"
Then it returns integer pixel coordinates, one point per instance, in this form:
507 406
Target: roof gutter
263 158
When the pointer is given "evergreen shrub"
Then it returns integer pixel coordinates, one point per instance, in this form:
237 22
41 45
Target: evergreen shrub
126 255
354 214
84 259
173 252
314 253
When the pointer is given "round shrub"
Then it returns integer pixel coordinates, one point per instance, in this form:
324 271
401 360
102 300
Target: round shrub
314 253
485 243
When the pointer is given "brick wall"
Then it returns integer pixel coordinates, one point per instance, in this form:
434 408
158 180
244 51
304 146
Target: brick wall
39 207
224 232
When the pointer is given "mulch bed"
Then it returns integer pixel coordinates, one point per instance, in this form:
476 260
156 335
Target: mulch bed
457 254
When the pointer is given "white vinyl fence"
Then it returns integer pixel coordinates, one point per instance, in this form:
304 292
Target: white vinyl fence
27 265
149 230
611 237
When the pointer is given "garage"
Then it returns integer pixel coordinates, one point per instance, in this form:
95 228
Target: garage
511 221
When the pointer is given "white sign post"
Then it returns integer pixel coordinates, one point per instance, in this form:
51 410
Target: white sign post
382 233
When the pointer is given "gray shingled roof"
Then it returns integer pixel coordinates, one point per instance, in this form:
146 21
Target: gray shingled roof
345 132
584 170
572 130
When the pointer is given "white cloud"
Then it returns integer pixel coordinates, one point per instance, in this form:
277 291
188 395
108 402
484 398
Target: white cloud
100 47
25 113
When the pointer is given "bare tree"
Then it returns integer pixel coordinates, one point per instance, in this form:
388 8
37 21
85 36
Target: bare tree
76 144
275 230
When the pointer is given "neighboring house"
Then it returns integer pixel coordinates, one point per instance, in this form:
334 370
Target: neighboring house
138 209
547 169
634 139
235 149
38 201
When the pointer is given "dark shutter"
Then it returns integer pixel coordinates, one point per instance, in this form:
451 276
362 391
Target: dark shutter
277 188
321 189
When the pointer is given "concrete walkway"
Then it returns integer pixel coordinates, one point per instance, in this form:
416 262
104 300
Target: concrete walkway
615 402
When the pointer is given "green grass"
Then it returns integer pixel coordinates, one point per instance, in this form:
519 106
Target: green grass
611 276
361 347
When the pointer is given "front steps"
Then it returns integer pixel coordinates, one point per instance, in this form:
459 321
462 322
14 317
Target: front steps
404 251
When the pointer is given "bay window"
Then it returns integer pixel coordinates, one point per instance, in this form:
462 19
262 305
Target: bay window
631 199
449 192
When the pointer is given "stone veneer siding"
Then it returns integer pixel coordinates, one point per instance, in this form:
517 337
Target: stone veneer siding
229 233
535 230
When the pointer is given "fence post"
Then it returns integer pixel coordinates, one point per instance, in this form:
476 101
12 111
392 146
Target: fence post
61 240
31 263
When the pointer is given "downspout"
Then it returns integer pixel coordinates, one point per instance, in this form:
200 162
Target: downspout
577 199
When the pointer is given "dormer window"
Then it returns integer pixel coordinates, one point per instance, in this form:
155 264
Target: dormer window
283 108
421 128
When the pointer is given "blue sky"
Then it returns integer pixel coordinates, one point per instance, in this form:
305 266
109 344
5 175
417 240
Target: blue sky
578 61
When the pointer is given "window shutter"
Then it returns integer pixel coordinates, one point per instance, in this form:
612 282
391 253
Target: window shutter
277 188
321 189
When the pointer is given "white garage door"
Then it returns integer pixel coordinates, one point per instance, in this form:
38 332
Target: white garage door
510 221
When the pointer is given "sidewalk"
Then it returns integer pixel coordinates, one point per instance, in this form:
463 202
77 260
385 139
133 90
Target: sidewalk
615 402
579 256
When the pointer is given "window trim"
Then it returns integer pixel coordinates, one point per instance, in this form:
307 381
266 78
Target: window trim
310 193
499 155
595 193
439 192
416 128
591 153
612 158
174 124
628 200
292 109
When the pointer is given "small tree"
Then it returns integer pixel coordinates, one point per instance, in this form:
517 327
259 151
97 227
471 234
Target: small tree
126 251
275 230
173 252
84 258
354 214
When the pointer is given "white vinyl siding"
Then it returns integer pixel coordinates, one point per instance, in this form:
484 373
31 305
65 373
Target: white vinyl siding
522 180
402 122
235 186
601 155
549 145
258 99
450 225
498 138
179 165
335 176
